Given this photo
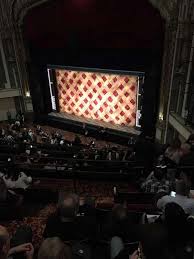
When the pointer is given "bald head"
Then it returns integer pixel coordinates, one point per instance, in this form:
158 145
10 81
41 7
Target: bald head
4 242
54 248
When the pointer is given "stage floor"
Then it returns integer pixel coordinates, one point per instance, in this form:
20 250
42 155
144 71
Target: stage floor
70 117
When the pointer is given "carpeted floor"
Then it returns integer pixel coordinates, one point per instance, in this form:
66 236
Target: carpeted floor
38 213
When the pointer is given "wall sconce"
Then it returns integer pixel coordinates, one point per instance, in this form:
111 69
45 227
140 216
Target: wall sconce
27 94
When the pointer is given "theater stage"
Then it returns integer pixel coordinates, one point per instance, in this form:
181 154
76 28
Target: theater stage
93 124
96 99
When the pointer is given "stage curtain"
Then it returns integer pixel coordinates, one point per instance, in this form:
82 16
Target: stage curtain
98 96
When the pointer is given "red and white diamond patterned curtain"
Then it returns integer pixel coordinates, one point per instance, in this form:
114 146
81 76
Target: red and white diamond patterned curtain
99 96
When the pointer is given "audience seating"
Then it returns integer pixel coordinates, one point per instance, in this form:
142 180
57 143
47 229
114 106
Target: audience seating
75 170
136 201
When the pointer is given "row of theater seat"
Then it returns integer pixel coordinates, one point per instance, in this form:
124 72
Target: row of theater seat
136 202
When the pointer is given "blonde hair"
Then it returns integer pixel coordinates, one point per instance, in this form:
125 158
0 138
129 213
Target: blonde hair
54 248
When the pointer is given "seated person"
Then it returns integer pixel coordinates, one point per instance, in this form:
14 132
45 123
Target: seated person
118 221
24 250
113 154
16 180
151 240
173 151
38 130
65 223
175 220
118 251
54 248
87 206
158 240
50 166
157 181
9 198
181 198
9 139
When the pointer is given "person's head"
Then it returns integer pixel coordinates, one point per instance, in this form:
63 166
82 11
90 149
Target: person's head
68 205
54 248
182 188
4 242
175 221
174 214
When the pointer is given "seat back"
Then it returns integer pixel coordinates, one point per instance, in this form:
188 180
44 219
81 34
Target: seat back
134 197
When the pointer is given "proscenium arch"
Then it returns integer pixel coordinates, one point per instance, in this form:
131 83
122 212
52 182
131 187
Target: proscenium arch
16 11
19 12
20 8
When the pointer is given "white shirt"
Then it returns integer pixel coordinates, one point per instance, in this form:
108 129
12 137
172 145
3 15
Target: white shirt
186 203
22 182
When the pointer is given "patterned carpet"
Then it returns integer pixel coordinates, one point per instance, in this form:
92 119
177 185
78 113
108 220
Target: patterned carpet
37 223
101 191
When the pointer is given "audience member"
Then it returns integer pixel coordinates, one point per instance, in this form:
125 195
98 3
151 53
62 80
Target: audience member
118 251
6 251
87 206
181 198
157 181
65 223
151 244
16 180
75 220
113 154
173 151
54 248
175 219
119 221
9 198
